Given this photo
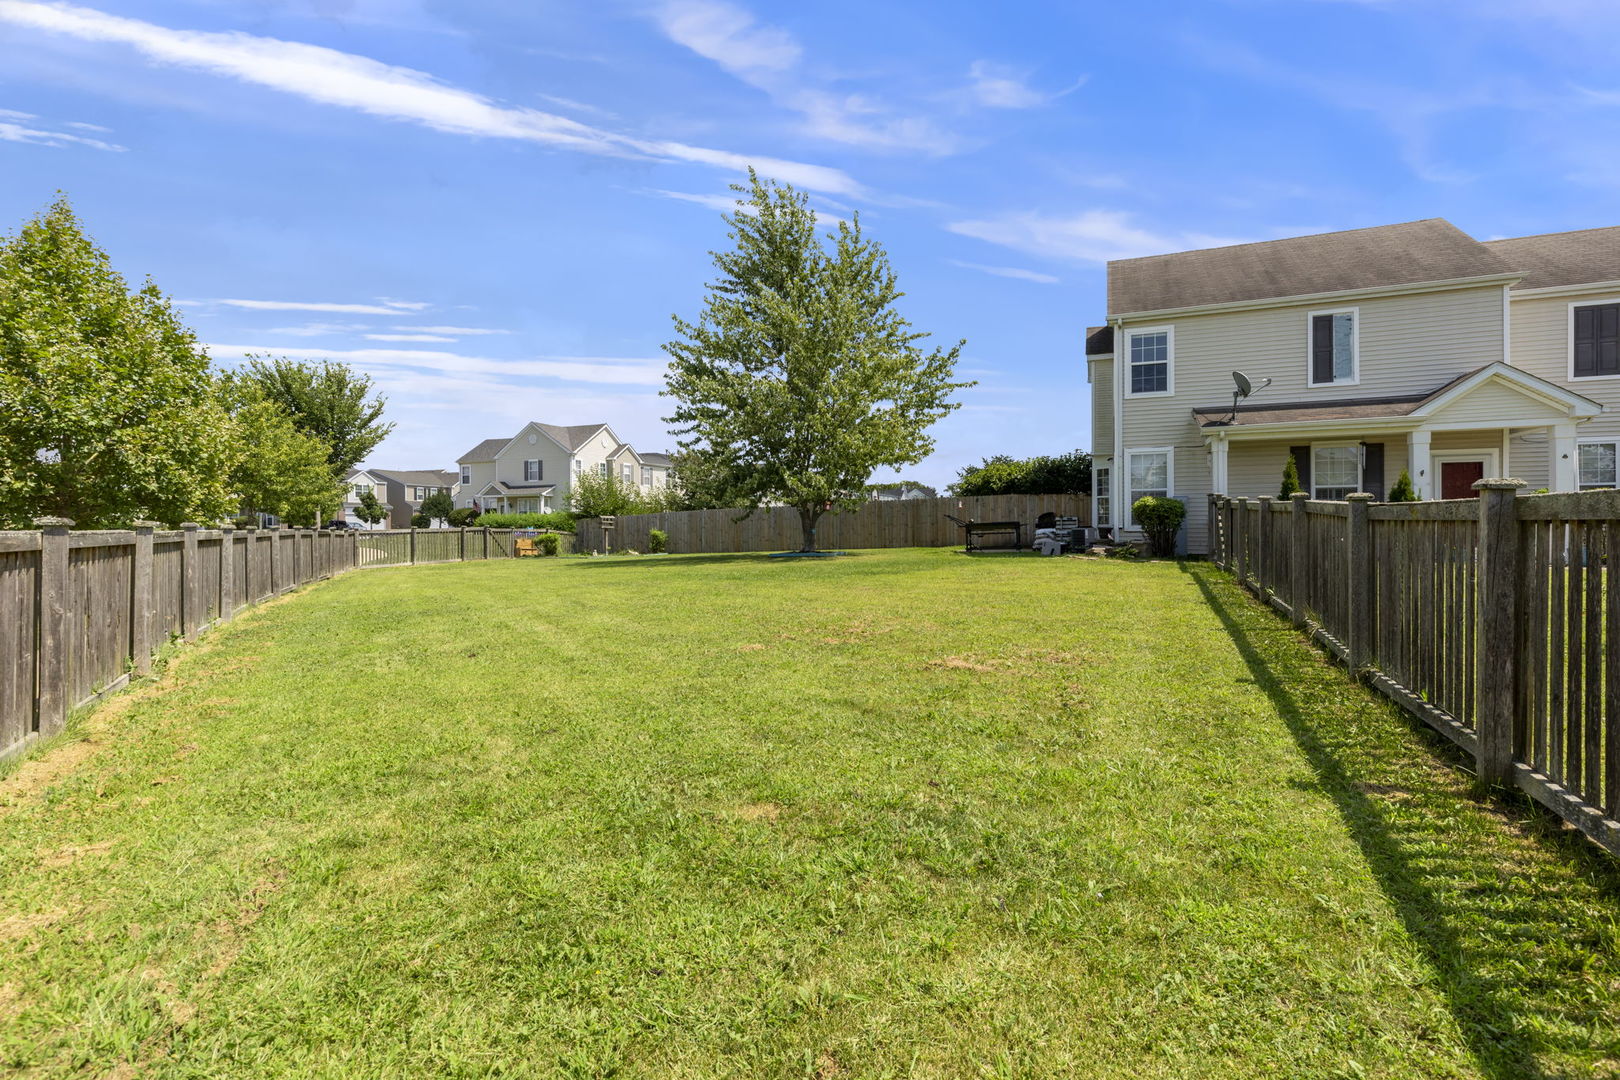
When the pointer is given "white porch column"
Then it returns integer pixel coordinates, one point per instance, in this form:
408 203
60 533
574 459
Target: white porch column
1419 465
1217 465
1507 439
1563 457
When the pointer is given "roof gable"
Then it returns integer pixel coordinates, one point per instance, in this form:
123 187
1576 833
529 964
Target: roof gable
1386 256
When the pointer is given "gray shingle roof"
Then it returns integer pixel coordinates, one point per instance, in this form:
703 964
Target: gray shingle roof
418 477
1379 257
484 451
1099 340
573 436
655 459
1289 412
1566 258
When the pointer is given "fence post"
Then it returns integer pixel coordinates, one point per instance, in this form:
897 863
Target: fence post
189 594
1498 603
413 546
53 623
486 541
463 543
1299 542
1262 548
1358 551
1216 537
278 580
227 570
140 601
1240 543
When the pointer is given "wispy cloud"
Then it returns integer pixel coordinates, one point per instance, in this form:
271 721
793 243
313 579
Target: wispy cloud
997 86
769 58
346 80
1007 272
387 307
728 204
318 329
25 127
1089 236
457 331
408 337
618 371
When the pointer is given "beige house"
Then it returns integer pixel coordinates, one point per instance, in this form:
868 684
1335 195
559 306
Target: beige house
401 490
533 471
1407 346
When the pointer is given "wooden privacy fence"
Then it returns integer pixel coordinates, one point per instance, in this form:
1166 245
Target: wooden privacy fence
890 523
80 612
1496 621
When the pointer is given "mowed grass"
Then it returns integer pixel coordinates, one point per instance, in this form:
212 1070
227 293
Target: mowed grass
896 814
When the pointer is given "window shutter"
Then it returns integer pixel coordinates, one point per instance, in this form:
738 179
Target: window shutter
1372 470
1608 339
1586 341
1302 463
1321 348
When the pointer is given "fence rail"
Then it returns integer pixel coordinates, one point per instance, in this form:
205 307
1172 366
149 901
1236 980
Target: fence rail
886 524
1496 621
80 612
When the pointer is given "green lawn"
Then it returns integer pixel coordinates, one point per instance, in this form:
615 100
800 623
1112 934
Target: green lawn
897 814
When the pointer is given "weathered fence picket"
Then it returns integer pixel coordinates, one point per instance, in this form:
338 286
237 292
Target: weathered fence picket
1494 620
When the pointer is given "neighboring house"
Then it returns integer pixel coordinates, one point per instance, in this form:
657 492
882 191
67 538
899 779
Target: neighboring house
533 471
907 490
1408 346
402 490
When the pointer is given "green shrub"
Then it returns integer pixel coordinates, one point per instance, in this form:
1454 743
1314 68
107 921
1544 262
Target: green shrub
1160 518
1403 491
549 543
1290 482
1121 551
556 520
420 521
462 516
657 541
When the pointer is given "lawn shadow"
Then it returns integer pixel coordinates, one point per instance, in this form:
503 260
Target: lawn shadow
1506 954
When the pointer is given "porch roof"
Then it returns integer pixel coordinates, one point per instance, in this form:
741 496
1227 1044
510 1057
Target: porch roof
1410 409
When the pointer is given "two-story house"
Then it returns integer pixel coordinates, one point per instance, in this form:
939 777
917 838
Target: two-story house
533 471
401 490
1408 346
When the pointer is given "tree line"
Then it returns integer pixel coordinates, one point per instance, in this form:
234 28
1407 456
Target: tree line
111 413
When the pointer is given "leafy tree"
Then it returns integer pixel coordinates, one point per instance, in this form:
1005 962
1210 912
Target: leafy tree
800 379
420 520
1290 480
371 510
697 482
328 400
462 516
108 410
1061 474
438 506
904 485
593 495
279 469
1403 491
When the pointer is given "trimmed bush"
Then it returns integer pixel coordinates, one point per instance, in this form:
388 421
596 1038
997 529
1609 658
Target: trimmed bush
549 543
657 541
1290 483
421 521
1160 518
1403 491
558 520
462 516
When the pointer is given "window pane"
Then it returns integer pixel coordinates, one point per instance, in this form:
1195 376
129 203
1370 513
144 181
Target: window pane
1150 474
1150 363
1336 471
1344 354
1597 464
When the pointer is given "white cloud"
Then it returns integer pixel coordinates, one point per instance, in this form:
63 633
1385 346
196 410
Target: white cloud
24 127
457 331
407 337
346 80
618 371
319 329
729 36
728 204
1090 236
390 307
1007 272
996 86
13 114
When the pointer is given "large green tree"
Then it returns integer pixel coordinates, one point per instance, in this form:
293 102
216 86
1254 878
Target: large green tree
108 410
279 469
330 401
438 506
800 379
1045 474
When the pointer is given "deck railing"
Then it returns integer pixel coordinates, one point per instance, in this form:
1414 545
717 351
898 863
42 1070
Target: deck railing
1493 620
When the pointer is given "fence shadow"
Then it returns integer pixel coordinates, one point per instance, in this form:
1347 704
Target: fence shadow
1485 928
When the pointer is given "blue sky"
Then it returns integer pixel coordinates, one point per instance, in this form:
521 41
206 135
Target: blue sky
494 208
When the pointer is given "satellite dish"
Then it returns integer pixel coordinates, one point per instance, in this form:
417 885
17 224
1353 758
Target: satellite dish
1244 386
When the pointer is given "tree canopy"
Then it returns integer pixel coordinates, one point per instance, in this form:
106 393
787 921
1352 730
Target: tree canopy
329 400
800 379
1061 474
108 410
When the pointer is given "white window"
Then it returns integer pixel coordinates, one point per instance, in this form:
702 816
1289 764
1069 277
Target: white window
1150 473
646 476
579 466
1335 471
604 470
531 470
361 489
466 474
1334 347
1596 465
1152 355
624 472
1103 497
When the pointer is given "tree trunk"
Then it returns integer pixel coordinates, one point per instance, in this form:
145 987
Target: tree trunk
808 516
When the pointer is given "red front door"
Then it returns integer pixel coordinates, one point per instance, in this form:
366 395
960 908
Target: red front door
1457 478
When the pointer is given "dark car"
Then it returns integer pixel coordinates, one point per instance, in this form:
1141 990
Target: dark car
337 525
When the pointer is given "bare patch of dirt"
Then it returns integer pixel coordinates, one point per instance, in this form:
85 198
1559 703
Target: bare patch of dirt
179 1009
10 1002
828 1067
17 927
963 663
74 852
232 932
759 811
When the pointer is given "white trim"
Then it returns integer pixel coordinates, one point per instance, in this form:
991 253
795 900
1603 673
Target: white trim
1569 343
1490 459
1169 333
1445 285
1104 465
1169 453
1119 423
1612 440
1563 290
1338 444
1355 347
1507 325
